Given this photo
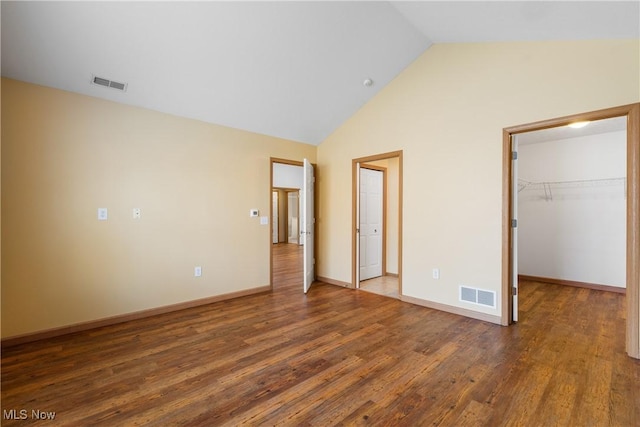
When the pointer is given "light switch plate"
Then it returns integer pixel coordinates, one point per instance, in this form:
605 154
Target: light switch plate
264 220
102 214
136 213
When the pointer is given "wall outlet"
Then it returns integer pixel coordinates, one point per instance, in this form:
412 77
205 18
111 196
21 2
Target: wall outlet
197 271
254 212
136 213
436 273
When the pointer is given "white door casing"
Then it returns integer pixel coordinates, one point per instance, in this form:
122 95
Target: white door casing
308 221
370 223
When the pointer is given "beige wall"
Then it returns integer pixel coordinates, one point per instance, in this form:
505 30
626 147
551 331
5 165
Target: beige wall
446 112
65 155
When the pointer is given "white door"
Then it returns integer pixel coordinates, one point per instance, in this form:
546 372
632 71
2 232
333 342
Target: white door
370 223
300 210
357 267
308 220
514 225
274 214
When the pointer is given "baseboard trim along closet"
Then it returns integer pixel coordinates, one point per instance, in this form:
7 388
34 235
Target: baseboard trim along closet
453 310
334 282
107 321
563 282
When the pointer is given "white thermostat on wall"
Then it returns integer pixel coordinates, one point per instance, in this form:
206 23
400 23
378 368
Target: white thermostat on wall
254 212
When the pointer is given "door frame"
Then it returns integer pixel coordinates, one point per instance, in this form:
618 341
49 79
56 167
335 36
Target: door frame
272 161
384 213
355 265
632 113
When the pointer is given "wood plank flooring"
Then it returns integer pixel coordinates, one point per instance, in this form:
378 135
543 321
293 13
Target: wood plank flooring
336 357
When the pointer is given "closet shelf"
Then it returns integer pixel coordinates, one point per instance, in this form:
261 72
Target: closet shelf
548 186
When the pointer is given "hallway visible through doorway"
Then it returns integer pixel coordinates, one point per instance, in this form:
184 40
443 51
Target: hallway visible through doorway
388 225
383 285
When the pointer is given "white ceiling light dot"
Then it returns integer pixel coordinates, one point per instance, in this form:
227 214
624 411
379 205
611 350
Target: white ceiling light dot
367 82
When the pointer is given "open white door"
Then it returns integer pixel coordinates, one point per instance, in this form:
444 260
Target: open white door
514 226
308 220
357 239
370 223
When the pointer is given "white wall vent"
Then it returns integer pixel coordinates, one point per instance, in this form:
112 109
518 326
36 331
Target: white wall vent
478 296
101 81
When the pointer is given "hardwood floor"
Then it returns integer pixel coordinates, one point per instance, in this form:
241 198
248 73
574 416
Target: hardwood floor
287 266
337 357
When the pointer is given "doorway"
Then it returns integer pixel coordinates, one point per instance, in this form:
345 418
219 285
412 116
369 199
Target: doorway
377 242
295 246
509 230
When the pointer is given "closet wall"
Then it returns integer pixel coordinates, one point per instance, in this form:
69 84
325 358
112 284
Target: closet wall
571 209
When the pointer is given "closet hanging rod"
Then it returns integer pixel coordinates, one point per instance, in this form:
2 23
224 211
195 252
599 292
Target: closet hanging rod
522 184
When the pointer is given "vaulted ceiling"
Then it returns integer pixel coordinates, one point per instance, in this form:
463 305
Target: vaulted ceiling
294 70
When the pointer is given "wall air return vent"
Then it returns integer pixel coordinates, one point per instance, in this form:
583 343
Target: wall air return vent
478 296
101 81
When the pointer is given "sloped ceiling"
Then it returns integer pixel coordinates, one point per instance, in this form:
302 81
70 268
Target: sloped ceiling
293 70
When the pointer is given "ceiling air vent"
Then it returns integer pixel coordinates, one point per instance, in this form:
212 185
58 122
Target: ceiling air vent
101 81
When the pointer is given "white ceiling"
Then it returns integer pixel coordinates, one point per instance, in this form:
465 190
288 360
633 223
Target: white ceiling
616 124
288 69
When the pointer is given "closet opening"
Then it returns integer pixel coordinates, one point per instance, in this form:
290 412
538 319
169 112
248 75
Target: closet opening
570 204
534 191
